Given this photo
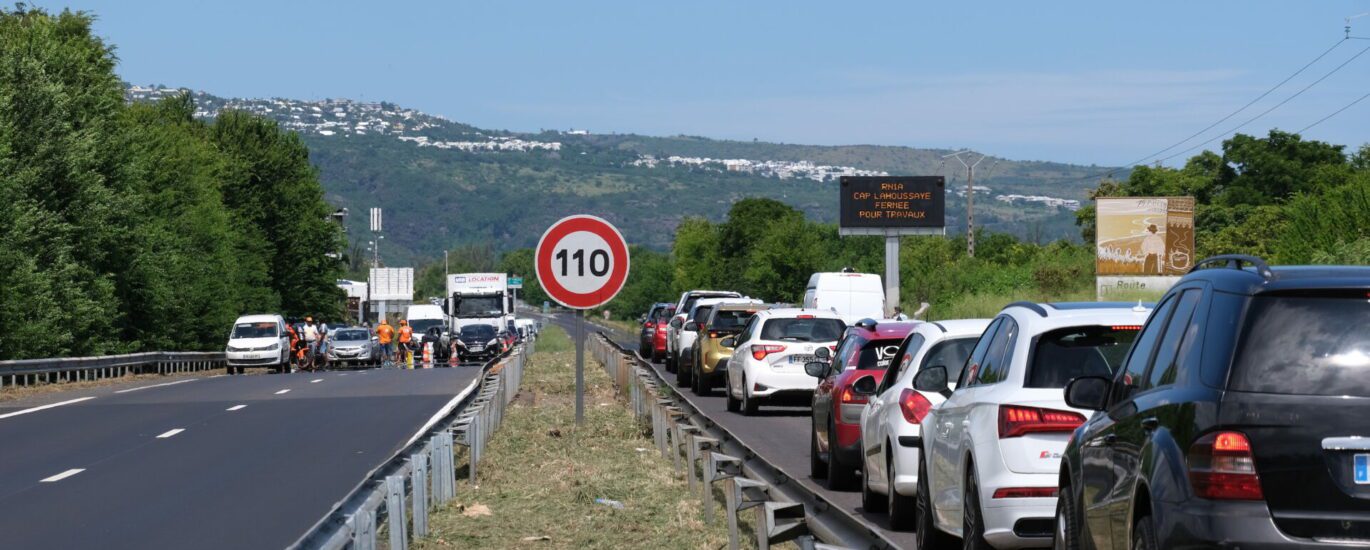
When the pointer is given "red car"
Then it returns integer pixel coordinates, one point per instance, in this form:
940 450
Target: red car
835 440
655 329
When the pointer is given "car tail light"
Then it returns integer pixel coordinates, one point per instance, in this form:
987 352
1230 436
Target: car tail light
803 317
713 334
760 351
1221 467
851 397
913 405
1016 421
1026 492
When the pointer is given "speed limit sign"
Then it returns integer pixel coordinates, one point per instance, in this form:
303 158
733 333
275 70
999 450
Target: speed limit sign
582 261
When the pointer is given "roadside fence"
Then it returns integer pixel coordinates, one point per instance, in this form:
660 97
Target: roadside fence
27 372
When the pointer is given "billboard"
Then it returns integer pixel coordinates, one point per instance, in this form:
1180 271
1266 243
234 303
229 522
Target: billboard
1144 236
392 283
885 205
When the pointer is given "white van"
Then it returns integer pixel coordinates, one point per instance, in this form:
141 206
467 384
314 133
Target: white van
258 341
854 296
423 317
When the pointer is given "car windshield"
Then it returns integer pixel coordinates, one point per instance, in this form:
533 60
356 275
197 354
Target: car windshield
349 334
731 319
261 329
802 329
478 331
480 306
1306 345
421 326
875 354
951 354
1068 353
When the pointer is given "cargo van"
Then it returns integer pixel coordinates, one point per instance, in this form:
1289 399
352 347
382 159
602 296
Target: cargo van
423 317
258 341
854 296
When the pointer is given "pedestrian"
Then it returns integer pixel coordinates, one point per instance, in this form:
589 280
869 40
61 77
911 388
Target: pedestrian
899 314
406 339
385 335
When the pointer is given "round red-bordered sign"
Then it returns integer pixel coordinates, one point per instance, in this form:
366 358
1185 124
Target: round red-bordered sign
569 257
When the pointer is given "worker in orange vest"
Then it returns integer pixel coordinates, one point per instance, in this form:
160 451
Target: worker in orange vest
385 334
406 338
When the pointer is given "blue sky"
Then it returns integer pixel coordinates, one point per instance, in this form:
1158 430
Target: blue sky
1087 82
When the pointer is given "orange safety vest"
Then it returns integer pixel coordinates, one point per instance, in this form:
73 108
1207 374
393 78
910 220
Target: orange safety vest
385 333
406 334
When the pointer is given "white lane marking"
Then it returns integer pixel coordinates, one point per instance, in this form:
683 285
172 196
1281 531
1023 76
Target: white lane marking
235 407
343 374
48 406
316 381
287 390
157 385
170 433
63 475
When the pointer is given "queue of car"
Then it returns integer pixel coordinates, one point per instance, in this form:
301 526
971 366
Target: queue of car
1231 412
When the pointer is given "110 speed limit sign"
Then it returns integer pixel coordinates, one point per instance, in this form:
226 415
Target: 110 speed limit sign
582 261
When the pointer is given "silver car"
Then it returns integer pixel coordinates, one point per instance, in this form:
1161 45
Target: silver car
352 346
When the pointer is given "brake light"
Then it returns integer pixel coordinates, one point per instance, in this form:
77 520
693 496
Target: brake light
1026 492
913 405
760 351
1016 421
803 317
713 334
851 397
1221 467
1127 327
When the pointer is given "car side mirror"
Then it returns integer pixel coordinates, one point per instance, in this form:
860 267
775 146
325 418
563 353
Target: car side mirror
675 323
732 343
932 379
816 369
823 353
866 385
1088 392
691 327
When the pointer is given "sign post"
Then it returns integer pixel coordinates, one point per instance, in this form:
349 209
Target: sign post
582 263
892 207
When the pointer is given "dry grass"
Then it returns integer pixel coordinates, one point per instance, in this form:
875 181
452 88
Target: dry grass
542 474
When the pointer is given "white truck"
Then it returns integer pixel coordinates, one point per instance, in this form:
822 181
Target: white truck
478 299
853 296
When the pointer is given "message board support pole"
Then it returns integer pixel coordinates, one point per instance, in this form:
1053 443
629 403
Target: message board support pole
891 274
580 367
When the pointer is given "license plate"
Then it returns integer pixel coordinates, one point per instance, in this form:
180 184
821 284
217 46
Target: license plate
252 356
1361 469
802 359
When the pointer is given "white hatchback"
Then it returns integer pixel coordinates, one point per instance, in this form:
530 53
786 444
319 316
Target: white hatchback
770 353
891 433
992 450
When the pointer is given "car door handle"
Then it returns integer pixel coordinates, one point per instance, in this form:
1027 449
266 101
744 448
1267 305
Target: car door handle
1150 424
1110 440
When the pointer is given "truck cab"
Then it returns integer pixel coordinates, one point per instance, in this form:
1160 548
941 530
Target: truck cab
478 299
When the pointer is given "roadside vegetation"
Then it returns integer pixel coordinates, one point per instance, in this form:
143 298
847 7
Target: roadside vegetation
541 476
137 227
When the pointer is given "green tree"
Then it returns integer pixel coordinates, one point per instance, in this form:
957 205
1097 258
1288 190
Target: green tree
697 260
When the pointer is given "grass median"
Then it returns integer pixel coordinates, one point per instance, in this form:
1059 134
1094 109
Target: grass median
541 476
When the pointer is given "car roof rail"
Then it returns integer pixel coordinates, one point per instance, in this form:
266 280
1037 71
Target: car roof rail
1034 306
1235 261
939 325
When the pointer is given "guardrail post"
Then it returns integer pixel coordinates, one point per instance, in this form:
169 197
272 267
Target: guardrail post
684 445
700 448
419 463
718 467
778 522
742 493
364 536
473 447
394 508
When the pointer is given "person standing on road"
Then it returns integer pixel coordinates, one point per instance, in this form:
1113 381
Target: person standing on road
385 335
406 338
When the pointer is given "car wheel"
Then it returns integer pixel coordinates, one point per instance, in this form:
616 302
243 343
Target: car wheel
670 362
817 469
929 536
734 404
840 476
696 383
1144 534
682 376
749 401
231 369
870 500
1067 535
902 509
972 518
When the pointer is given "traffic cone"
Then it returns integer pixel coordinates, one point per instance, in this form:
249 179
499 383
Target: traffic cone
452 357
427 354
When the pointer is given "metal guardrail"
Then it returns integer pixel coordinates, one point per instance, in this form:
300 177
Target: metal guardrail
422 476
709 455
73 369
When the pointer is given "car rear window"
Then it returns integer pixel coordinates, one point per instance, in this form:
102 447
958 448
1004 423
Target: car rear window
802 329
702 313
875 354
951 354
1062 355
663 313
1314 344
731 319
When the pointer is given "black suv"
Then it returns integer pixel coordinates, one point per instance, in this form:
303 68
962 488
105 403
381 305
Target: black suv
1241 417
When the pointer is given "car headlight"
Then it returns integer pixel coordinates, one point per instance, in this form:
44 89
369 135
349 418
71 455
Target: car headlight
492 342
273 347
231 349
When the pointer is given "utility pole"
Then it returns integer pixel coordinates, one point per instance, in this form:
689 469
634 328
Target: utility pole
970 197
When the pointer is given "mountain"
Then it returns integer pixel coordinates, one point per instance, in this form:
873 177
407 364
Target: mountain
443 183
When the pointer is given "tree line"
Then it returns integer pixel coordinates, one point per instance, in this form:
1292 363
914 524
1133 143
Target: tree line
130 227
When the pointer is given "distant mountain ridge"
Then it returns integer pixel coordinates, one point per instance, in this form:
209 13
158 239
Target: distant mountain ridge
443 182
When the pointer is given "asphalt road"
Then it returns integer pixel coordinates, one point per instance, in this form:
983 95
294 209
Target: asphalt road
778 434
257 461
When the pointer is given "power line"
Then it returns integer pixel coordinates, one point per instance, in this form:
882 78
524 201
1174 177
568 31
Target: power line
1272 108
1334 113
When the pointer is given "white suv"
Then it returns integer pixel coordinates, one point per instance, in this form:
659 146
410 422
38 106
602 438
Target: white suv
891 430
992 450
677 323
769 356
